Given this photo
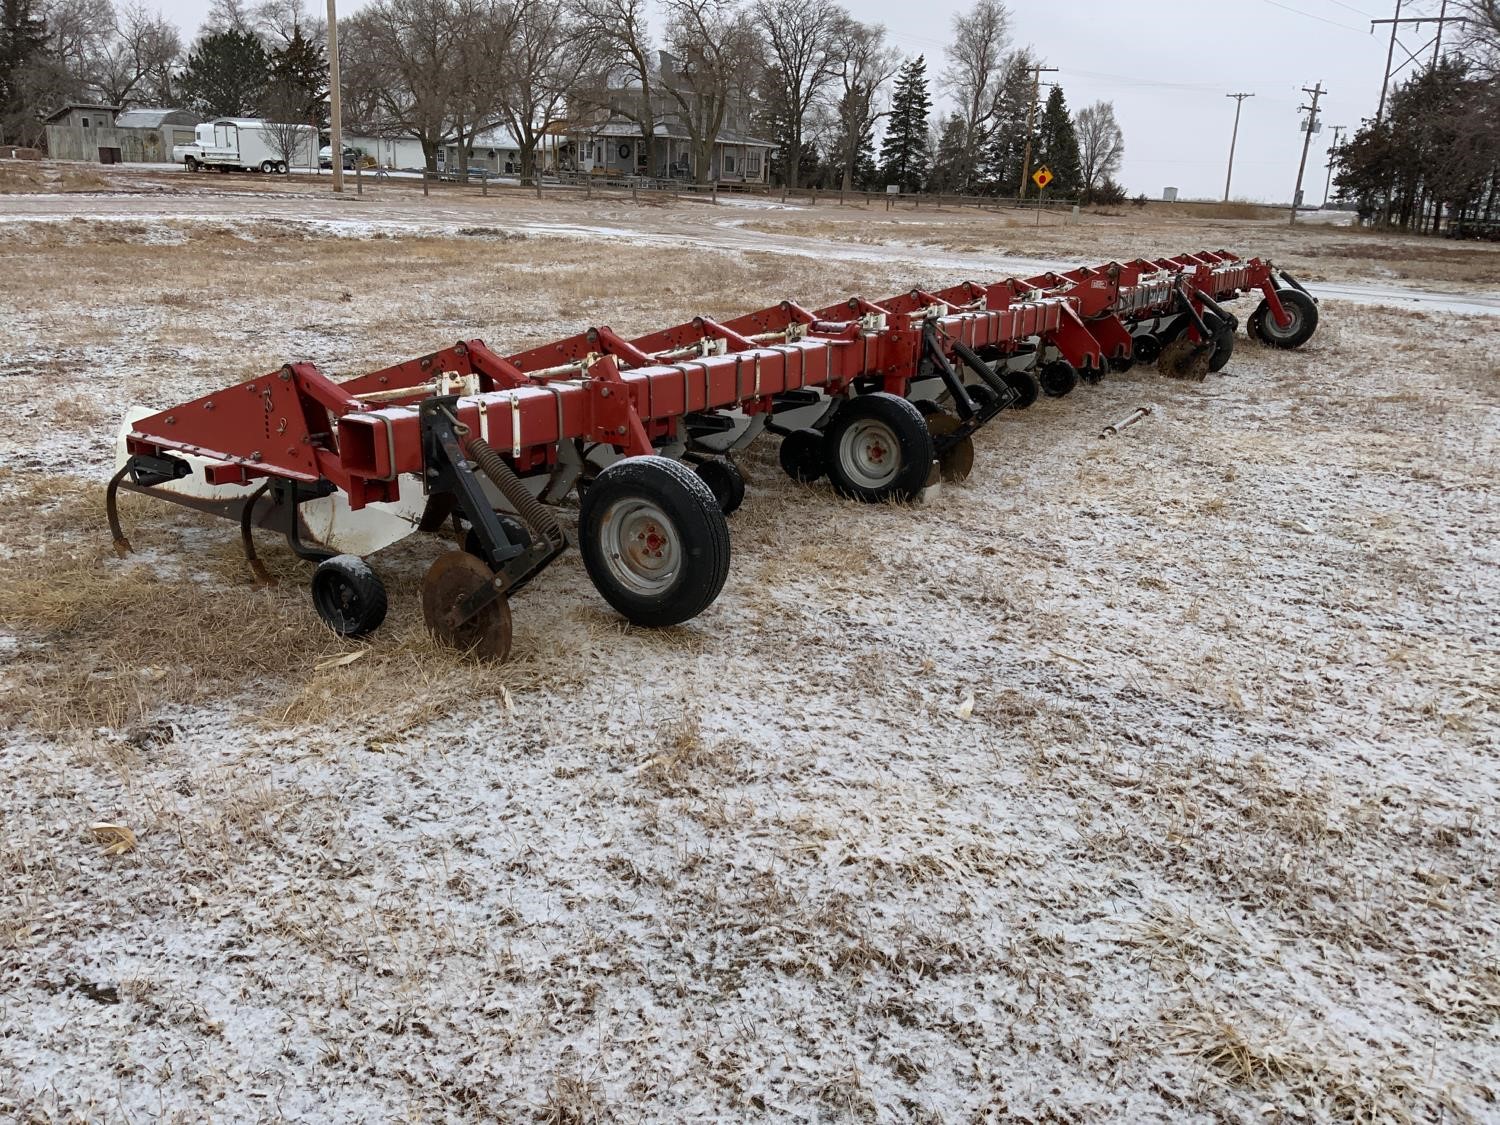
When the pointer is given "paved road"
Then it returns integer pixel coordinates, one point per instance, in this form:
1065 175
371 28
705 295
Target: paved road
609 219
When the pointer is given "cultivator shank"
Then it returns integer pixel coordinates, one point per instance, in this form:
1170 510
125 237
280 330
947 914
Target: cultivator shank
883 396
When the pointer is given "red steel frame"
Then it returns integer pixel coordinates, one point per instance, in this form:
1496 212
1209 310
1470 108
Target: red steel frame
297 424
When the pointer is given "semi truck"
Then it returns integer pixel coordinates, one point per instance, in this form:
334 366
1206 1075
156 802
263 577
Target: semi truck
248 144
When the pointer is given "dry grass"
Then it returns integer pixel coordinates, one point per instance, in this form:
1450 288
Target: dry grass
1151 778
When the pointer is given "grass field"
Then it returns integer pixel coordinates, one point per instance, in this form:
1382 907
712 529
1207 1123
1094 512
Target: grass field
1142 779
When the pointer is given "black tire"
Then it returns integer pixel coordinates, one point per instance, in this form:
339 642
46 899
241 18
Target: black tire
1057 378
1121 364
927 407
190 164
725 481
348 596
267 167
1304 312
801 456
653 540
982 395
1090 374
1027 387
281 168
878 448
1146 348
1223 346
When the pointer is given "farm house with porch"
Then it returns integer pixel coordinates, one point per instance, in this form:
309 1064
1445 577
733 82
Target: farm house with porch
617 148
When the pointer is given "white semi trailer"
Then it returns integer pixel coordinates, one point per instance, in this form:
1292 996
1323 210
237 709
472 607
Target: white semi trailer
249 144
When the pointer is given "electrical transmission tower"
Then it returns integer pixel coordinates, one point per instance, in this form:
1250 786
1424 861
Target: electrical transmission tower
1392 68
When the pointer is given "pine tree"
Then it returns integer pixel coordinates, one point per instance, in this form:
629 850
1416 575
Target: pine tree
23 38
904 153
298 86
949 167
1057 145
226 75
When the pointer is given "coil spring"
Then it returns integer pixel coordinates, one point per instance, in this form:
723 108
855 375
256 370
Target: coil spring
527 506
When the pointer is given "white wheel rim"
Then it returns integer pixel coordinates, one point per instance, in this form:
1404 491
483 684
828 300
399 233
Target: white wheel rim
641 547
869 454
1274 329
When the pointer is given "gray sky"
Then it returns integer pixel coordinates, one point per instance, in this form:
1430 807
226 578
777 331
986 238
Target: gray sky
1166 66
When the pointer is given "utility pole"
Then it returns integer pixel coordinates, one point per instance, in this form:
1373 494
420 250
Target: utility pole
1239 100
1337 131
335 109
1312 123
1036 90
1441 20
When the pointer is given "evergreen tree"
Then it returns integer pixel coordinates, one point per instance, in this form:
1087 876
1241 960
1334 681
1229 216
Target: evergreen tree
1008 140
23 38
950 166
1057 145
297 90
904 153
226 75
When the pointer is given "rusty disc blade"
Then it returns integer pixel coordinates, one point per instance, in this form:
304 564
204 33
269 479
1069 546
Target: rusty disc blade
450 580
957 461
1183 359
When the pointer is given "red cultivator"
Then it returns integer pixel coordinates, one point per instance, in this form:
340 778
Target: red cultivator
881 396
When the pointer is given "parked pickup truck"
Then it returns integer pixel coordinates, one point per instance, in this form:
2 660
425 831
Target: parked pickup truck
246 144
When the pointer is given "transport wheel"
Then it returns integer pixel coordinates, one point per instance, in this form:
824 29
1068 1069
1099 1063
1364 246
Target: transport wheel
654 540
454 577
725 481
281 167
1027 386
1057 378
957 461
1304 323
878 448
1146 349
190 164
1223 346
348 596
801 456
267 167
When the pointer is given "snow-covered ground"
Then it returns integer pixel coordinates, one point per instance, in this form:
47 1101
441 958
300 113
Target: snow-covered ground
1143 779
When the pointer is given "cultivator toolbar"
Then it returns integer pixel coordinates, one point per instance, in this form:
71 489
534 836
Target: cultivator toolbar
884 397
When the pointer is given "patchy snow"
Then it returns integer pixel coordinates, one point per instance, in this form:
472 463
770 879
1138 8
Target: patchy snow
1148 779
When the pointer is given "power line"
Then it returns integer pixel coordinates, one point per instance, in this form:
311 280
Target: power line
1309 15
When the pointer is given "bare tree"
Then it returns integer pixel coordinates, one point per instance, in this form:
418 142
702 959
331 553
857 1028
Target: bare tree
1482 35
278 22
1101 145
139 60
289 140
976 64
715 51
548 59
617 31
483 31
229 15
867 64
79 33
395 58
805 41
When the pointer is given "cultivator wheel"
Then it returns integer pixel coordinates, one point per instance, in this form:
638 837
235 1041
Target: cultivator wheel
1146 349
725 481
1057 378
878 448
1120 364
348 596
1026 387
801 456
1304 320
654 540
1223 341
956 461
464 607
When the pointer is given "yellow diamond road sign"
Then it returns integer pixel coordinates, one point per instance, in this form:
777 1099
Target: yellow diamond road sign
1042 177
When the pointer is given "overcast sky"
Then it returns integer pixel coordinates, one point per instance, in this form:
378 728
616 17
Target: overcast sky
1166 66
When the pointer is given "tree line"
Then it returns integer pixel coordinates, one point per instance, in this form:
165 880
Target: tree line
825 87
1434 155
